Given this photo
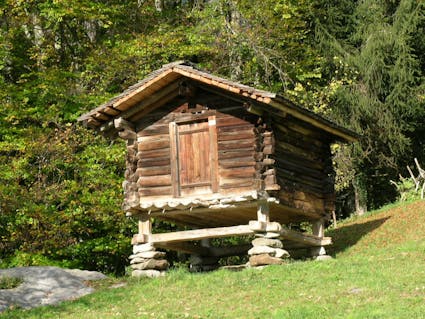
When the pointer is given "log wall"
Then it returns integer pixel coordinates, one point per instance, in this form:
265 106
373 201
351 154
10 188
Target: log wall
285 157
239 152
303 166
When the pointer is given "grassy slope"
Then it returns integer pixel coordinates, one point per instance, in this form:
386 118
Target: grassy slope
379 272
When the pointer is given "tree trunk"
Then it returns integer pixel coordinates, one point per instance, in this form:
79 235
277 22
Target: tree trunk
360 195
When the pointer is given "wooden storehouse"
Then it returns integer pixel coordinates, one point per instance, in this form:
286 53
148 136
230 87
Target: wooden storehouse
220 159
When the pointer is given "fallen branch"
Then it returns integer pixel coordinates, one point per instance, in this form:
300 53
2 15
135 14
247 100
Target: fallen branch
418 179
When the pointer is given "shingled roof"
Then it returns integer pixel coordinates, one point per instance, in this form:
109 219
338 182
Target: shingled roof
142 96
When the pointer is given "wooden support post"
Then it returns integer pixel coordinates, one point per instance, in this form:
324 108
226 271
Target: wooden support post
263 212
145 225
145 230
318 228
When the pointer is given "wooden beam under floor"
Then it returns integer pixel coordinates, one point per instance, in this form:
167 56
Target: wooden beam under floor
240 230
198 234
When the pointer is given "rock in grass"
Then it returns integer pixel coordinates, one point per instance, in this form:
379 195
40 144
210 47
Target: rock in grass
281 253
271 235
275 243
138 260
142 248
323 257
264 259
149 273
260 250
149 255
158 264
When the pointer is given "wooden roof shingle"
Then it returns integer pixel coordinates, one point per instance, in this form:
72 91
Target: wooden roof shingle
144 91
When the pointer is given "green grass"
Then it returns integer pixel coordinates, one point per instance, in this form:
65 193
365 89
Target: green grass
9 282
378 272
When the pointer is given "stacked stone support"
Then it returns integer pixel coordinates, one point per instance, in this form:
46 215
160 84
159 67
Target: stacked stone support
267 250
147 262
267 247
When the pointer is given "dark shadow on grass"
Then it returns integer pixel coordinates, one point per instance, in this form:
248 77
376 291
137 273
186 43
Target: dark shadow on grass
347 236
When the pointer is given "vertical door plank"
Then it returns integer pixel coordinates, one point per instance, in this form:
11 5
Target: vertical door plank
174 159
213 153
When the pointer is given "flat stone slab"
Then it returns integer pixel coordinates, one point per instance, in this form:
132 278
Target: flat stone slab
45 286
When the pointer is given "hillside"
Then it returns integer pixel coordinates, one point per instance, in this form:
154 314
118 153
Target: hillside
359 63
378 272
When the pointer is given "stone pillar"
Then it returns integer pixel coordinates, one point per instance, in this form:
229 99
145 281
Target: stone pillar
146 261
267 248
318 228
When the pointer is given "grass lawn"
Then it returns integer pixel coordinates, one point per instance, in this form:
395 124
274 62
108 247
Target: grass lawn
378 272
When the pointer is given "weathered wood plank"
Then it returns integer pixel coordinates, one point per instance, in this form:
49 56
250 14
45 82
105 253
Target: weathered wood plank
153 130
174 159
305 239
212 123
236 183
150 162
154 170
229 154
154 144
156 180
238 172
289 234
161 152
236 144
287 164
149 138
155 191
236 135
282 133
237 162
230 121
233 129
198 234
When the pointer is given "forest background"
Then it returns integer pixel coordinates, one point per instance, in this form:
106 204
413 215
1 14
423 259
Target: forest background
358 63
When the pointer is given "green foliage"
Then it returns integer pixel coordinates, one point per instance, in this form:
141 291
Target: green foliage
60 185
379 85
407 190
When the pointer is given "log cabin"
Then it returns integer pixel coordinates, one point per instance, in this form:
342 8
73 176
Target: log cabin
220 159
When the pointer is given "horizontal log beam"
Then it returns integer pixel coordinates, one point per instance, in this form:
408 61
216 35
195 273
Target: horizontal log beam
174 240
289 234
198 234
306 239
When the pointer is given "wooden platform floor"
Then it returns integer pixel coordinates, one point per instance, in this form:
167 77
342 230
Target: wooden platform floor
240 215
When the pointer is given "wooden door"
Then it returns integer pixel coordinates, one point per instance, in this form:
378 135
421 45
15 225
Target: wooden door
194 157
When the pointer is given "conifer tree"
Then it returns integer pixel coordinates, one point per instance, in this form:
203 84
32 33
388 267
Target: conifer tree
380 85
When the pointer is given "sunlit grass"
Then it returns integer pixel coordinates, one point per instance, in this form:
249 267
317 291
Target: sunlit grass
378 272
